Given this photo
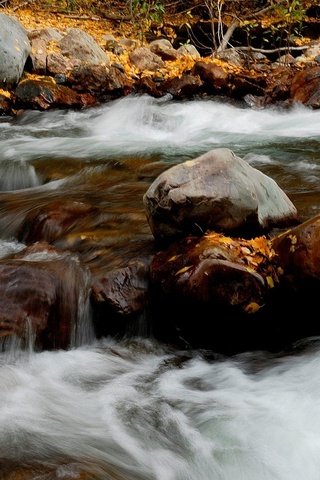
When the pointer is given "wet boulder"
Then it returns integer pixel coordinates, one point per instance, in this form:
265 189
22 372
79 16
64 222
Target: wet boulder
298 251
216 191
99 79
214 76
216 269
212 290
305 87
182 87
119 296
43 297
43 93
14 50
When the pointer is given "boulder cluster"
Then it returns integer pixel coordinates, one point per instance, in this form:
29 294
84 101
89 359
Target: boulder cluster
48 68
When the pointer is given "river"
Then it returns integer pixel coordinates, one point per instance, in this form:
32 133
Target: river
135 409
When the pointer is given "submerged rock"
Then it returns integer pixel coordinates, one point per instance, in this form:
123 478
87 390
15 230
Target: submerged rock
216 191
53 221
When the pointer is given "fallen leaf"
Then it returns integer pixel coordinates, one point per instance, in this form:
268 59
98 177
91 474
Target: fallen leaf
182 270
252 307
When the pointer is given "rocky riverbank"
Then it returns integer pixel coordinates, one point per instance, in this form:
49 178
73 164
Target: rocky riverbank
49 68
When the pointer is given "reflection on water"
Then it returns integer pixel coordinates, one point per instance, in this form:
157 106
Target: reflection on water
135 411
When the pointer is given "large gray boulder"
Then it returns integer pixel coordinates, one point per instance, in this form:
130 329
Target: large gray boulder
78 45
216 191
14 50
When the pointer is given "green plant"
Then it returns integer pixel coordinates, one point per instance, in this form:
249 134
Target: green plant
152 10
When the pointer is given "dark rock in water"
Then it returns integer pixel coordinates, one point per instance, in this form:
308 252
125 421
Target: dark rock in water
119 295
49 223
305 87
182 87
211 291
278 84
216 270
5 105
99 79
15 48
214 77
216 191
43 296
298 251
43 93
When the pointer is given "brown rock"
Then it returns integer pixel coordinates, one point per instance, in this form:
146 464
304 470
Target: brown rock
5 105
55 220
212 292
305 87
57 64
214 76
122 292
298 251
182 87
144 59
99 79
164 49
216 270
43 93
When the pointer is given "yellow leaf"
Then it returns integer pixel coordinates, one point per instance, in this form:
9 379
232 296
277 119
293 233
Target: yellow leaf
172 258
270 282
252 307
184 269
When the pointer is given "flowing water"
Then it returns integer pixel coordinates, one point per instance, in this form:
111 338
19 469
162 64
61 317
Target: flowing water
110 410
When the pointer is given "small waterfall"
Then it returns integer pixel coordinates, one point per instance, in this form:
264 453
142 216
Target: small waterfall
17 175
64 317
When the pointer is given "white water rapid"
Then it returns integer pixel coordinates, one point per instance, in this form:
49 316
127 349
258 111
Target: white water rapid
138 413
134 409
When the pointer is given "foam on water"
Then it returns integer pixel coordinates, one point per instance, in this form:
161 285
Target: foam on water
111 408
146 125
